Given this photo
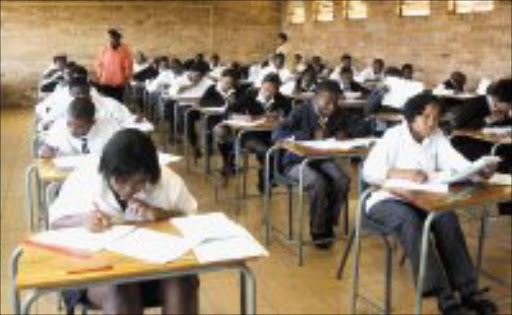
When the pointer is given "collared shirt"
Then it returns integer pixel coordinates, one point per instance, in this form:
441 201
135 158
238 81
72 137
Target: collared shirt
170 194
369 75
165 77
195 91
65 143
115 66
284 74
335 74
397 149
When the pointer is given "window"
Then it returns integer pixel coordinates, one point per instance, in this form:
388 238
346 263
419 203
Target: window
355 9
470 6
296 12
414 8
323 11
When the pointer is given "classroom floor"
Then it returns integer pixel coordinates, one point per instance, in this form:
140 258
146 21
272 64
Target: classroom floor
282 286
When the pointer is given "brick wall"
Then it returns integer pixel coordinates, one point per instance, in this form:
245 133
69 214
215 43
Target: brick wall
32 32
478 44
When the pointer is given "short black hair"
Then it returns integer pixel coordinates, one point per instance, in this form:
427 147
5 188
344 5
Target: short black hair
114 33
200 66
272 78
63 58
346 70
282 36
407 66
346 56
393 72
415 106
329 86
502 90
231 73
82 109
80 71
279 56
379 61
78 81
458 76
130 152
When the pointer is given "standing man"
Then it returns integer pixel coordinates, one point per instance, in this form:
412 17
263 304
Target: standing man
114 66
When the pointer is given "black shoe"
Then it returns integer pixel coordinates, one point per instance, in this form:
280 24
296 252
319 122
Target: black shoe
456 309
322 240
479 304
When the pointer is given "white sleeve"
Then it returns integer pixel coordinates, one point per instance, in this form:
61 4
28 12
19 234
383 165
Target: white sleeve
179 197
449 158
153 85
379 161
57 138
363 76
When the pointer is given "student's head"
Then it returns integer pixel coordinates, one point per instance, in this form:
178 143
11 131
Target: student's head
378 65
80 71
347 74
282 38
297 58
326 97
346 60
115 38
199 57
197 71
501 96
163 63
228 79
393 72
270 85
407 71
308 77
68 71
79 88
80 119
458 79
215 60
316 60
140 57
60 61
176 65
278 60
422 112
129 162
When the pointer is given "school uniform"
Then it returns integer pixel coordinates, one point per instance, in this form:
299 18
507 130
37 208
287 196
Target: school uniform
51 77
60 138
335 74
170 193
368 75
144 72
284 74
325 181
353 87
59 94
216 71
398 150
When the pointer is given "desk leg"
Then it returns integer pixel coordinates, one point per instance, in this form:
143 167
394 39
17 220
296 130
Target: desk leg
266 199
29 194
423 260
238 149
481 238
14 263
204 135
301 211
185 140
175 122
247 291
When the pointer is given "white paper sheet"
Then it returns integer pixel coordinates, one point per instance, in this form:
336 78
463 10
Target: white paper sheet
229 249
430 186
243 123
501 179
476 167
74 161
166 158
400 91
81 239
498 130
335 144
151 246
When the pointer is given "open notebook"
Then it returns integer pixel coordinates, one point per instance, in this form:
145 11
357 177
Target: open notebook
74 161
439 182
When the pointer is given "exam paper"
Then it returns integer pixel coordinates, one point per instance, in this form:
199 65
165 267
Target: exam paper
430 186
333 144
82 239
151 246
73 161
501 179
166 158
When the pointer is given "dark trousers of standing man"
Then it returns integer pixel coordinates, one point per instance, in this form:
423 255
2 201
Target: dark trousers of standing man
448 266
116 92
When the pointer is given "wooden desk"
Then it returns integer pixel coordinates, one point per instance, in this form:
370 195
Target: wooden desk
388 117
309 155
27 274
357 103
480 135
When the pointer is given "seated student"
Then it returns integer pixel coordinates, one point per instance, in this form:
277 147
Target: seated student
454 84
373 74
321 70
222 94
277 65
346 62
265 102
216 67
327 184
140 63
165 78
412 151
54 74
407 71
306 82
377 94
79 133
493 110
299 66
347 82
129 183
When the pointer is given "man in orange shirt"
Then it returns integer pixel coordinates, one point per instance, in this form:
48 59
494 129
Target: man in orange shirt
114 66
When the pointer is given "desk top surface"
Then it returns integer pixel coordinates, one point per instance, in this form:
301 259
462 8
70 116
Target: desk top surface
480 135
304 150
44 268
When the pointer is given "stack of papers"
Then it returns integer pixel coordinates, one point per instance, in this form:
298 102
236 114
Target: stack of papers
333 144
214 238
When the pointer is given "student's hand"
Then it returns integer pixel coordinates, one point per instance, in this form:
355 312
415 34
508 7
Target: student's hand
47 152
417 176
486 173
143 210
98 221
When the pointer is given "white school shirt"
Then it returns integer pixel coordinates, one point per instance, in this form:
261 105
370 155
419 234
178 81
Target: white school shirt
54 99
216 72
335 74
164 77
85 187
195 91
138 67
65 143
284 74
397 149
369 75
